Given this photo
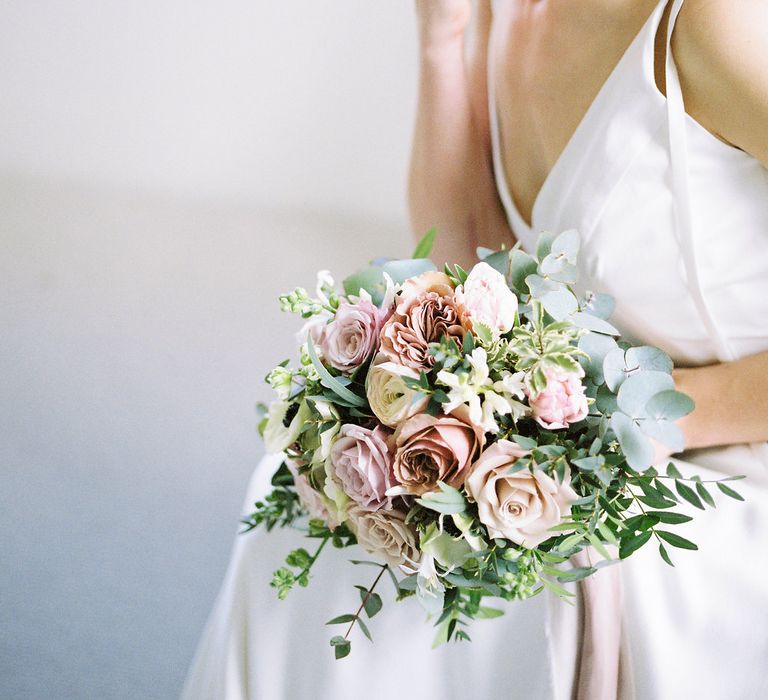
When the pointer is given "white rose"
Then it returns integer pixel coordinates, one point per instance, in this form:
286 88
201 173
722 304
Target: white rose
520 507
390 399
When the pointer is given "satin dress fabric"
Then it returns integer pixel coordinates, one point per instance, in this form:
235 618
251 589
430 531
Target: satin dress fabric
674 225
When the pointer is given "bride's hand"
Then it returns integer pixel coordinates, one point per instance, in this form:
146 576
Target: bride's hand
442 21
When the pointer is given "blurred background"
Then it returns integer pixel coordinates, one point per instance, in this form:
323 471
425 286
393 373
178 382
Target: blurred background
167 168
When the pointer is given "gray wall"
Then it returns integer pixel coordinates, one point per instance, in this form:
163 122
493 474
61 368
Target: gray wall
166 170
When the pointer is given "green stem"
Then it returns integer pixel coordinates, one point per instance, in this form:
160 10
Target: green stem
306 569
365 600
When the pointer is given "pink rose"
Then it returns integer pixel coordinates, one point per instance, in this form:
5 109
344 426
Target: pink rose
520 507
353 335
418 321
310 499
485 297
435 448
563 401
362 464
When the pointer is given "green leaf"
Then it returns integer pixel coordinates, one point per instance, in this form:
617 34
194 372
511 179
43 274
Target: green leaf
634 444
636 391
605 531
670 518
401 270
544 244
557 589
615 368
525 442
486 613
666 432
424 247
665 554
329 381
559 304
371 279
597 347
728 491
599 546
646 357
341 646
448 500
593 323
341 619
364 628
688 494
676 540
371 601
632 544
673 471
669 404
522 265
704 494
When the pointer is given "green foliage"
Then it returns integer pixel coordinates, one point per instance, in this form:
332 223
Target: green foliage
424 247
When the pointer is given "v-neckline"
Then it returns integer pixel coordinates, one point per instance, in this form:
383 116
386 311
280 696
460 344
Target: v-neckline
499 169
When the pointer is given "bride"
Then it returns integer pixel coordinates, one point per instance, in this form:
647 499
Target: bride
644 124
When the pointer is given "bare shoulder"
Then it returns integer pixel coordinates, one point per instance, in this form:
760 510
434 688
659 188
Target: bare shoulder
720 49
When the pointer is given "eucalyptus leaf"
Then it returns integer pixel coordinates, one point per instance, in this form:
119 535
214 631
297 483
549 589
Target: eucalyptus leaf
499 261
544 244
523 265
665 432
371 279
646 357
634 444
669 404
559 304
593 323
615 368
597 346
566 245
636 391
600 305
401 270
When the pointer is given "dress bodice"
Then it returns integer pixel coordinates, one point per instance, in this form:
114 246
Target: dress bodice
674 222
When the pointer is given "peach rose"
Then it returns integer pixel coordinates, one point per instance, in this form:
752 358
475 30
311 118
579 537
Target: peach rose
418 321
520 507
432 281
384 534
435 448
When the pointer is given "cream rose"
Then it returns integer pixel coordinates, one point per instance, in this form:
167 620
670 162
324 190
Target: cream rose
384 534
389 397
520 507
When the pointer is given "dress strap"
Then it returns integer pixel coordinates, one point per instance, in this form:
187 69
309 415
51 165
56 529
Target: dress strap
678 149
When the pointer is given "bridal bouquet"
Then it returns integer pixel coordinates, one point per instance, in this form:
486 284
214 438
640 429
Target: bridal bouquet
471 431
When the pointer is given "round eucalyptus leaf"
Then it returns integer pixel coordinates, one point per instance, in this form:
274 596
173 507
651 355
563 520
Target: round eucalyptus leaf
650 358
559 304
593 323
566 245
666 432
606 401
540 286
614 368
638 388
498 261
568 274
597 347
669 404
401 270
636 447
370 279
544 244
600 305
552 264
523 265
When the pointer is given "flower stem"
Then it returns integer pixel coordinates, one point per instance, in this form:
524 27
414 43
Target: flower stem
365 599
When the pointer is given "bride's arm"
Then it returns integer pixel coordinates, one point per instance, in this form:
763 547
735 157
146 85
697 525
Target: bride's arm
719 47
451 185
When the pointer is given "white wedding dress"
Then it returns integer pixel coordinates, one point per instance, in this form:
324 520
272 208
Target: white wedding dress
675 226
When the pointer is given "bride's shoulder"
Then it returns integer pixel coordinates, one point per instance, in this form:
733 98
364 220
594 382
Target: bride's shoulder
719 48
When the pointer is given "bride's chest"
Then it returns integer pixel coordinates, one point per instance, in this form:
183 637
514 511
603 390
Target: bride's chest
549 62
